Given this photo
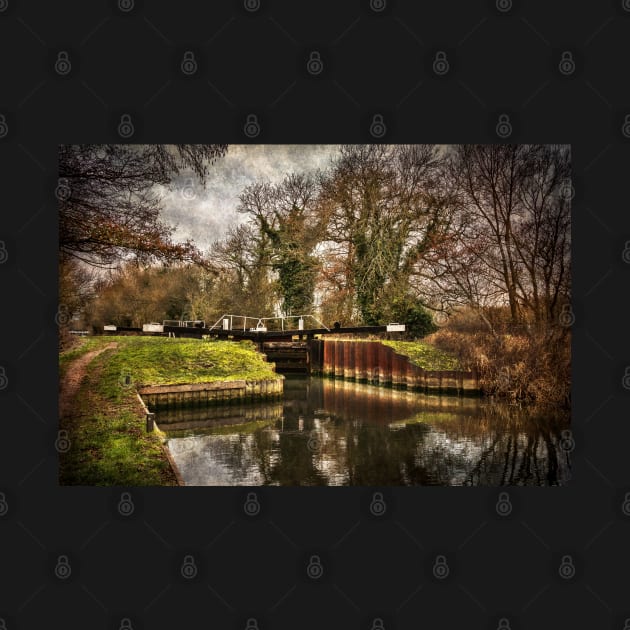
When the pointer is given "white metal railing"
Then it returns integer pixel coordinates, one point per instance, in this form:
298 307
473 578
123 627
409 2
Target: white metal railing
189 323
226 322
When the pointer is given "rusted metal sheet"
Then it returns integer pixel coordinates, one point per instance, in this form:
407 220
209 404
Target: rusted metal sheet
339 351
348 361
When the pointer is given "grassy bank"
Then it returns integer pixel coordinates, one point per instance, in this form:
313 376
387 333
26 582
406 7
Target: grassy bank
424 355
106 425
168 361
109 444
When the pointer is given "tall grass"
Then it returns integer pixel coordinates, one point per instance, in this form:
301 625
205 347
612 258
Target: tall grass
529 363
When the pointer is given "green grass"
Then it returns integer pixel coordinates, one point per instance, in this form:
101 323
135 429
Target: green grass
420 353
425 355
109 442
167 361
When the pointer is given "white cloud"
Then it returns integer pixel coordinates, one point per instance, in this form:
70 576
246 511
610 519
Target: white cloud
205 214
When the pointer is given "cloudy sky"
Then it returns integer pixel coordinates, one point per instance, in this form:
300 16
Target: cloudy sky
204 214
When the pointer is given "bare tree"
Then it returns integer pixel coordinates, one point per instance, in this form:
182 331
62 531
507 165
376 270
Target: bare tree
509 235
382 211
108 207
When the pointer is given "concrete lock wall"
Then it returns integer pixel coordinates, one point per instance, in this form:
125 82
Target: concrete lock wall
219 392
372 362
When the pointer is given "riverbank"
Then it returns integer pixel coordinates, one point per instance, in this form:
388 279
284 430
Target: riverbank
103 417
398 364
533 367
424 355
105 429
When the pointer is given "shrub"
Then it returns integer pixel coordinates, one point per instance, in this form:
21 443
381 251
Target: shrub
533 366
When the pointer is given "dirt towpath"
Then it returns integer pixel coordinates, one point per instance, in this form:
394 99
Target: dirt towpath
71 381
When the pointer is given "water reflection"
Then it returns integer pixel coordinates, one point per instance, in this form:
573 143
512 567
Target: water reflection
327 432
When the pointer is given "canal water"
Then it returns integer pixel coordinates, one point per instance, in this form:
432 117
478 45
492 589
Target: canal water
327 432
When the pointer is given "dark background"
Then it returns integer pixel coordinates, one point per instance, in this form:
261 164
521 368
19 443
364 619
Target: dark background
377 59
